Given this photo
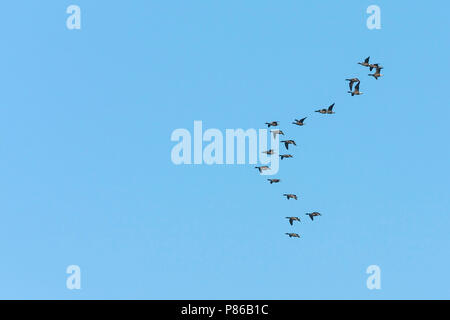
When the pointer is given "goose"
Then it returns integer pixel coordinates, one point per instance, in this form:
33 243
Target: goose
272 124
275 132
287 143
295 235
269 152
365 63
286 156
292 219
273 180
356 91
299 122
326 111
352 81
313 214
375 65
262 168
377 73
290 195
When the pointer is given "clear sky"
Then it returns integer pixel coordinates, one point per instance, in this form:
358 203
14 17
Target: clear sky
87 179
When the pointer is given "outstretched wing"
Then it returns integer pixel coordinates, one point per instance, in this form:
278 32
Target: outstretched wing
331 107
357 86
367 59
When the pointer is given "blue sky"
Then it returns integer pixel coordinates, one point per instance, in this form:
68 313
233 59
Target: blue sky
86 176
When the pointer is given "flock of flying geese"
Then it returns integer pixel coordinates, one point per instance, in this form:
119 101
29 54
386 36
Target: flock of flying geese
300 122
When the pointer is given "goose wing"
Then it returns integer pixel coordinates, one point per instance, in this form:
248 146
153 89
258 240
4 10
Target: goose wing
350 84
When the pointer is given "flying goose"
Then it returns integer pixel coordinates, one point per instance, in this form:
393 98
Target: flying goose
313 214
290 195
273 180
275 132
292 219
272 124
295 235
269 152
356 91
299 122
375 65
365 63
377 73
352 81
286 156
262 168
326 111
288 142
